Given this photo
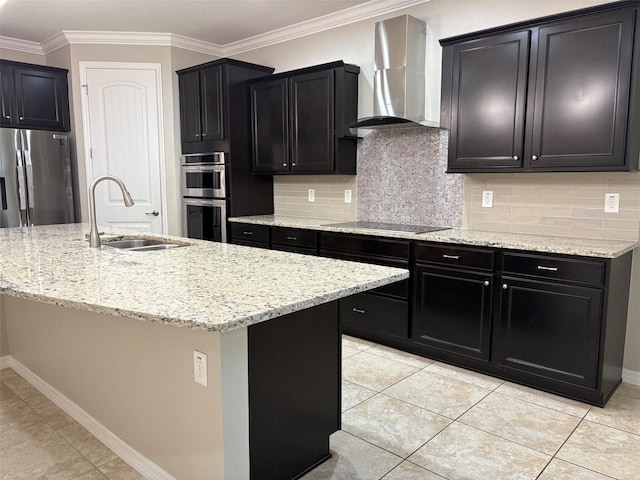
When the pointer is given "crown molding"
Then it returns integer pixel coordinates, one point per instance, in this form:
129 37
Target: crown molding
344 17
355 14
26 46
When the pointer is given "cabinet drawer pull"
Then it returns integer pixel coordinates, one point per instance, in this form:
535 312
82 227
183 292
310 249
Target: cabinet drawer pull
358 310
550 269
486 283
505 286
292 238
247 233
452 257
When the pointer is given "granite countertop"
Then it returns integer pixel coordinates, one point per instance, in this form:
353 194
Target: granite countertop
513 241
209 286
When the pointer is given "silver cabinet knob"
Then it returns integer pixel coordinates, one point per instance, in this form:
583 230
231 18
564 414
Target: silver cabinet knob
285 164
204 134
8 117
534 157
155 213
516 158
21 118
293 164
504 286
486 283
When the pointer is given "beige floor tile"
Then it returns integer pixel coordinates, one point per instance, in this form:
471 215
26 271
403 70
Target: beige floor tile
7 372
544 399
629 389
8 396
17 423
48 411
357 343
463 452
521 422
349 351
399 356
20 386
410 471
92 475
88 445
603 449
44 455
118 470
353 459
561 470
392 424
439 394
353 394
621 411
474 378
374 372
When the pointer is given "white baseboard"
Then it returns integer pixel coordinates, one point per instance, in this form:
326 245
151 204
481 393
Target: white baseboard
631 376
5 362
145 467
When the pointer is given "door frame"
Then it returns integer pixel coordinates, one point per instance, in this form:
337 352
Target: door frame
86 126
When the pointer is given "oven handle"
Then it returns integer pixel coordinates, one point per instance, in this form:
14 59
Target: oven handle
204 202
218 158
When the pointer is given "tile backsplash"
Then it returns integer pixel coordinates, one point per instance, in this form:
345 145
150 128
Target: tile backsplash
564 204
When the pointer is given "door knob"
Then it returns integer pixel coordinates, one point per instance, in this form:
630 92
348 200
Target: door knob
155 213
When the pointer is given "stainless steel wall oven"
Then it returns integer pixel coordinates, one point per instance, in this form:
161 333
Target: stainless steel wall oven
204 199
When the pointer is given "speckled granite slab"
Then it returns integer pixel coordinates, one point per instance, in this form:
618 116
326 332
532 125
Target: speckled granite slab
209 286
536 243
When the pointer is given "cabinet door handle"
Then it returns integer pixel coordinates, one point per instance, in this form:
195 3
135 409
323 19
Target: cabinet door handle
21 118
550 269
505 286
292 238
486 283
247 233
8 117
534 157
452 257
293 164
204 134
359 310
285 164
516 158
197 135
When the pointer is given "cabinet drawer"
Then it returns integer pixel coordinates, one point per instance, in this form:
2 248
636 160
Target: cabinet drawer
295 237
249 232
376 314
361 245
452 255
560 268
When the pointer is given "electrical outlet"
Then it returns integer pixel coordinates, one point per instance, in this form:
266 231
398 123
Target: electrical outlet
312 195
487 199
347 196
200 368
611 202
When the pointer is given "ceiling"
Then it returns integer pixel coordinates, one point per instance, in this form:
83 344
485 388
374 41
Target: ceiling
220 22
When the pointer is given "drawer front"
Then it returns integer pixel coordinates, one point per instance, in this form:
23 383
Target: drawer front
376 314
560 268
294 237
249 232
295 249
455 256
361 245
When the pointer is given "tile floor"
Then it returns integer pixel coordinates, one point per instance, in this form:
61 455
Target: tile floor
404 418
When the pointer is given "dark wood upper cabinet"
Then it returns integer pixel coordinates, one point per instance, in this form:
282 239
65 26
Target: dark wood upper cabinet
34 96
300 121
212 97
552 94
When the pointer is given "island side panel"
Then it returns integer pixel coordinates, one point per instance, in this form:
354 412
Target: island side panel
4 341
134 377
294 391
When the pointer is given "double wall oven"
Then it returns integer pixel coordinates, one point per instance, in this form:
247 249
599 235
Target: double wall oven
204 196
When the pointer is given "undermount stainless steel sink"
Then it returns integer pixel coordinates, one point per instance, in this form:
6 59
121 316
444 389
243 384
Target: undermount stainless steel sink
142 244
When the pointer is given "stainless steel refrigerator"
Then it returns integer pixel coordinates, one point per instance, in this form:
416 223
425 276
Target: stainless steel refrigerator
36 185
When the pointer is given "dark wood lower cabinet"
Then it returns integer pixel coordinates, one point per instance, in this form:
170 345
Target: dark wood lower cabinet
452 311
368 313
549 330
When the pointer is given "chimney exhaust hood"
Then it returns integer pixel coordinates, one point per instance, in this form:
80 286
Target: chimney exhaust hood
399 75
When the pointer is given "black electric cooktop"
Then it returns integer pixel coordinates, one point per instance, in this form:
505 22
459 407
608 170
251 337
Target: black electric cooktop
389 227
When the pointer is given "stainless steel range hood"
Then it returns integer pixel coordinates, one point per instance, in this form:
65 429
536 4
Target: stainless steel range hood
399 74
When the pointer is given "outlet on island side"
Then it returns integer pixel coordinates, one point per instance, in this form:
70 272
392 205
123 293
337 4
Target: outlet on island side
611 202
200 368
487 199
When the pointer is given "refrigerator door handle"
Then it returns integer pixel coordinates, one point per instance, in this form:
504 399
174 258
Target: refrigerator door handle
22 194
3 194
28 166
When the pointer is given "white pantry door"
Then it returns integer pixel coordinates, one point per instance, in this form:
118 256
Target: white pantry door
123 137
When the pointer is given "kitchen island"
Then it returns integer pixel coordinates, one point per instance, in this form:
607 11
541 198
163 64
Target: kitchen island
95 329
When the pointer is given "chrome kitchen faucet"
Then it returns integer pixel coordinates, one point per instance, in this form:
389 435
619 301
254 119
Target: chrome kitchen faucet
94 238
